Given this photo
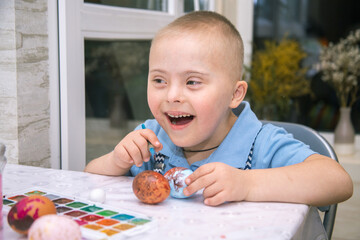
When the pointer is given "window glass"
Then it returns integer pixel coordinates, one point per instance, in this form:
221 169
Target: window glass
189 5
273 18
156 5
115 85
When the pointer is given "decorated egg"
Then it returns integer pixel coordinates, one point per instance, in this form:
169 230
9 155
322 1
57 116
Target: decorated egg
176 177
98 195
151 187
27 210
54 227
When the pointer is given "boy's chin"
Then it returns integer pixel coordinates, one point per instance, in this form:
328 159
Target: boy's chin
181 142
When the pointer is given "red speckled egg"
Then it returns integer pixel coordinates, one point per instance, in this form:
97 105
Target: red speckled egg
151 187
27 210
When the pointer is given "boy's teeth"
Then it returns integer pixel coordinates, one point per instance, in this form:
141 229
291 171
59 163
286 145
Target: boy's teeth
180 119
178 116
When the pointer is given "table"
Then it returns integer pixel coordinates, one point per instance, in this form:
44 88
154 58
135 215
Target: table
176 218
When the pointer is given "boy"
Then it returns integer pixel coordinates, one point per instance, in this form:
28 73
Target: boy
194 82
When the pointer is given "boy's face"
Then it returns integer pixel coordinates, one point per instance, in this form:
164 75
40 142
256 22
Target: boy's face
190 90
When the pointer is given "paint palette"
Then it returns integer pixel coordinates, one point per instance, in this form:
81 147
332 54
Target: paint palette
97 221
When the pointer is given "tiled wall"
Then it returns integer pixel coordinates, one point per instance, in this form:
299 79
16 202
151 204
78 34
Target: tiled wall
24 82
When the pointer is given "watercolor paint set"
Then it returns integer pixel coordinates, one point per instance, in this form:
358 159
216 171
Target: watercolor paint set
97 221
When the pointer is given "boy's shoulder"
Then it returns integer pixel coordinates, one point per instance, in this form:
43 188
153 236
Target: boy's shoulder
268 128
270 133
275 147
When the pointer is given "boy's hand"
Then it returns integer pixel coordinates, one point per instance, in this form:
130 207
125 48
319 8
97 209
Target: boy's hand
220 181
134 148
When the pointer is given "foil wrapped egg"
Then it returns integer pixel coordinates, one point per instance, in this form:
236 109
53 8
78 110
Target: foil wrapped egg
176 177
54 227
27 210
151 187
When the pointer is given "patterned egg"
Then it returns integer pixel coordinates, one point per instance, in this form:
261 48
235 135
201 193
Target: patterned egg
151 187
176 177
54 227
27 210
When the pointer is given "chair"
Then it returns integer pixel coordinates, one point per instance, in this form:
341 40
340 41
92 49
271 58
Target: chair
317 143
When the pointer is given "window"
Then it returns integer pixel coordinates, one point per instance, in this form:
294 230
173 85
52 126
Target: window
157 5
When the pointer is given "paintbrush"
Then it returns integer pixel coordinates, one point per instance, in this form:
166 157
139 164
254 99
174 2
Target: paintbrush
151 147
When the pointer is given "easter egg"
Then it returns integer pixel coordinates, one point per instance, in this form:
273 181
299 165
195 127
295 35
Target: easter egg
150 187
54 227
98 195
27 210
176 177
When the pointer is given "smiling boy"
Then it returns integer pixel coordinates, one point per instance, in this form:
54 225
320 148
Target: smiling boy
194 83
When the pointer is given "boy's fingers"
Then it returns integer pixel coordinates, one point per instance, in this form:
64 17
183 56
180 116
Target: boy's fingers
201 171
156 149
215 200
144 149
197 185
201 182
122 155
151 137
135 153
158 146
212 190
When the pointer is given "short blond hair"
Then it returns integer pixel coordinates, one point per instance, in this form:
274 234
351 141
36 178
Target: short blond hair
210 24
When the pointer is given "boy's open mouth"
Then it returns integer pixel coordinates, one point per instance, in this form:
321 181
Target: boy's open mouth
180 119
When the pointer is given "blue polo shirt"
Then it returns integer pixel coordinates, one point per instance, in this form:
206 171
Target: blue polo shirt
273 146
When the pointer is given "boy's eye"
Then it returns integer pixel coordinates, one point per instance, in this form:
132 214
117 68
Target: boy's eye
192 82
159 81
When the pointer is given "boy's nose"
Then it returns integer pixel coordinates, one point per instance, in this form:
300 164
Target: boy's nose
174 94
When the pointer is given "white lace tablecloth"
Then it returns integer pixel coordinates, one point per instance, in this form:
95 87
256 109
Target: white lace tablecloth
176 218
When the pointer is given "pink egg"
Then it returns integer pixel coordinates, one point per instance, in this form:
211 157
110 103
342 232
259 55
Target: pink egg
54 227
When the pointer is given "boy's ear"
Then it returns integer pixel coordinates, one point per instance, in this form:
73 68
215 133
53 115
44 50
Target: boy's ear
239 94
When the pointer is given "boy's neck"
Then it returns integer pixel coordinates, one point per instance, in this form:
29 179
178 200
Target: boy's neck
196 156
193 157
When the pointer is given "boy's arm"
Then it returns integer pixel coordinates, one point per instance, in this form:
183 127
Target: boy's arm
317 181
105 165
